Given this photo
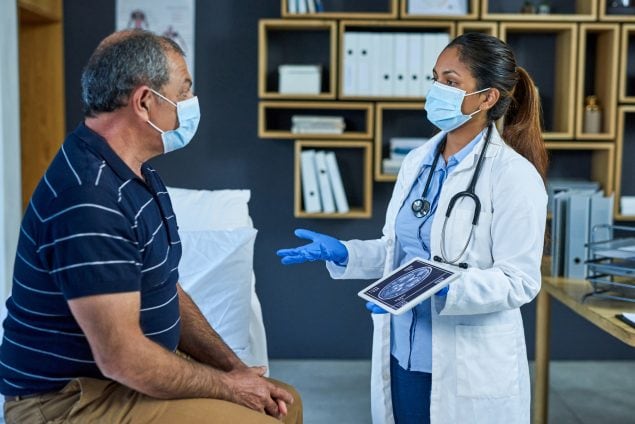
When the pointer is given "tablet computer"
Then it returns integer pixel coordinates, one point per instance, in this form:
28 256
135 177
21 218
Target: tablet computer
409 285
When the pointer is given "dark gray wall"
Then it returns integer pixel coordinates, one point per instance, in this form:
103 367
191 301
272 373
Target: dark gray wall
307 315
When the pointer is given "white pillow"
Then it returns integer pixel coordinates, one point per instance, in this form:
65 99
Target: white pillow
210 209
216 271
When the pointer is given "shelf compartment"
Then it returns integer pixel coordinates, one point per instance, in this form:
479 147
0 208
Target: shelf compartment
605 15
396 27
548 52
397 120
627 67
472 12
625 152
490 28
588 160
297 42
597 67
562 11
274 118
348 9
354 161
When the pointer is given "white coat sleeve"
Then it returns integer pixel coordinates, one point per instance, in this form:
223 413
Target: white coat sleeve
519 209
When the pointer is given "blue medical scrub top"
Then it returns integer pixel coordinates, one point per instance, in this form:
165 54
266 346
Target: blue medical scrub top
411 332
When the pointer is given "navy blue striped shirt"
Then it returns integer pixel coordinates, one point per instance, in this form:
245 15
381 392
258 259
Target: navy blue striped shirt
92 227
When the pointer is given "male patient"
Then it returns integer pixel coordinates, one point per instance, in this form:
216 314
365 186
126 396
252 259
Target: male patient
96 313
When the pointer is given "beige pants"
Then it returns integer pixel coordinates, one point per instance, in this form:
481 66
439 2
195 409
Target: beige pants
89 400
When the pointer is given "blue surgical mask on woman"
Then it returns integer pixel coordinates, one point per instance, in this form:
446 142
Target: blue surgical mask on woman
443 106
189 115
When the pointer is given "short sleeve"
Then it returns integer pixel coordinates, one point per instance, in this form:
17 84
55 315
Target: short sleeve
89 244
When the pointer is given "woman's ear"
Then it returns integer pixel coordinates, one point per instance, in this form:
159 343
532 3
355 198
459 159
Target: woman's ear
491 97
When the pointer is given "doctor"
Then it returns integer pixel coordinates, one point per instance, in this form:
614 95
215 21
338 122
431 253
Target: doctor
459 357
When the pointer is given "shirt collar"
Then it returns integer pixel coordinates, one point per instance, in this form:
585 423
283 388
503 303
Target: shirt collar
455 158
100 146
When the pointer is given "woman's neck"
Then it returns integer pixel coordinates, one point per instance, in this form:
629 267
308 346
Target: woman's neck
461 137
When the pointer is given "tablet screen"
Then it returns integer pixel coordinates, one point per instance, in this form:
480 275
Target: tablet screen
408 285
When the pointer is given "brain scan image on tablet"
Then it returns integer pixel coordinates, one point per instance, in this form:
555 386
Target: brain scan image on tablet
409 285
404 283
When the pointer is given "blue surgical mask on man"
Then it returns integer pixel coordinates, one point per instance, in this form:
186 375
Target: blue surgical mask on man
443 106
189 115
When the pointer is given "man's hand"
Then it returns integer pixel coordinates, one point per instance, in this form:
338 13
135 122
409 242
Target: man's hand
250 389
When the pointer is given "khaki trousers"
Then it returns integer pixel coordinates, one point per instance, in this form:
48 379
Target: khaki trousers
89 400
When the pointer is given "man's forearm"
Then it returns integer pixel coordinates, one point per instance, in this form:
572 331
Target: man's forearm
200 341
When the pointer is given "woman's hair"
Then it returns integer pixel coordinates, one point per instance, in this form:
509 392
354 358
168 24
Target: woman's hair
493 64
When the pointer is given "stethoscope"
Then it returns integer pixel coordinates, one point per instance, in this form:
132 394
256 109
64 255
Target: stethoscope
421 207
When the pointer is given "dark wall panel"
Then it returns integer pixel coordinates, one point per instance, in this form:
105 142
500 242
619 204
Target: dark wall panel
307 315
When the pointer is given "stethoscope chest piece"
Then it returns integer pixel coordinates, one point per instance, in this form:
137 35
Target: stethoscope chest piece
421 207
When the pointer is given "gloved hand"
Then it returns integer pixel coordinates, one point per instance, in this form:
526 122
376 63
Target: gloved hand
322 248
375 309
444 291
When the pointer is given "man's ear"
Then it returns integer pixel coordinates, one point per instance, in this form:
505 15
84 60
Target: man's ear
141 101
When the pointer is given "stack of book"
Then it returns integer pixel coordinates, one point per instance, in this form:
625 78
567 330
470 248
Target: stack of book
305 6
322 187
305 124
399 148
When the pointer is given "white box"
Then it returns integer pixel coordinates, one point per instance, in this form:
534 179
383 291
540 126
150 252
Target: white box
300 79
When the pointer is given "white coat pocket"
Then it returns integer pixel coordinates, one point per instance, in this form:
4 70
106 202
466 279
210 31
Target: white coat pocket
487 361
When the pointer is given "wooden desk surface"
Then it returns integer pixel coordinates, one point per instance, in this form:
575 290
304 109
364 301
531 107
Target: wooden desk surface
599 311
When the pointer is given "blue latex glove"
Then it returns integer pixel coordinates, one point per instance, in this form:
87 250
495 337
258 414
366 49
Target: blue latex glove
444 291
321 248
375 309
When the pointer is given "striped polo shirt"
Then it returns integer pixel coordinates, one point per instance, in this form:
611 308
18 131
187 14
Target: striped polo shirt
92 227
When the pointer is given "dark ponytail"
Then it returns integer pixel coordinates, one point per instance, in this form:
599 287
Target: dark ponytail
493 64
521 125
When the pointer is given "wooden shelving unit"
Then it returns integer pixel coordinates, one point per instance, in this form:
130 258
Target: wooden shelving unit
354 160
625 158
573 52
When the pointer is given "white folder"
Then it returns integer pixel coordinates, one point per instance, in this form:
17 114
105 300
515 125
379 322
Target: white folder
302 6
428 60
310 6
341 203
386 70
400 87
292 6
350 63
326 194
365 51
376 66
415 56
310 190
577 235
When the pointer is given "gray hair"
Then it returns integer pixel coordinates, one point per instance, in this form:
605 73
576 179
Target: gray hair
121 63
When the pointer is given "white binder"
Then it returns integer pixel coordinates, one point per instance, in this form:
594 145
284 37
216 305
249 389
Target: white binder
558 233
577 235
292 6
428 60
400 87
310 6
341 203
386 70
349 87
376 66
302 6
310 191
415 53
365 51
326 194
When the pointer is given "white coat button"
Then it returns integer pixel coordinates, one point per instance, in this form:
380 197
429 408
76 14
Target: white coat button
390 242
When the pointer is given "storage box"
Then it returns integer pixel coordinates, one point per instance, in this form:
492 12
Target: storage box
300 79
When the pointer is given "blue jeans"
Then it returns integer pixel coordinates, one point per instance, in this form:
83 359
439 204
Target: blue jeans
410 394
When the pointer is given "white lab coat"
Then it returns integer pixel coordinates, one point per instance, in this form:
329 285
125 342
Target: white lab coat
479 362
